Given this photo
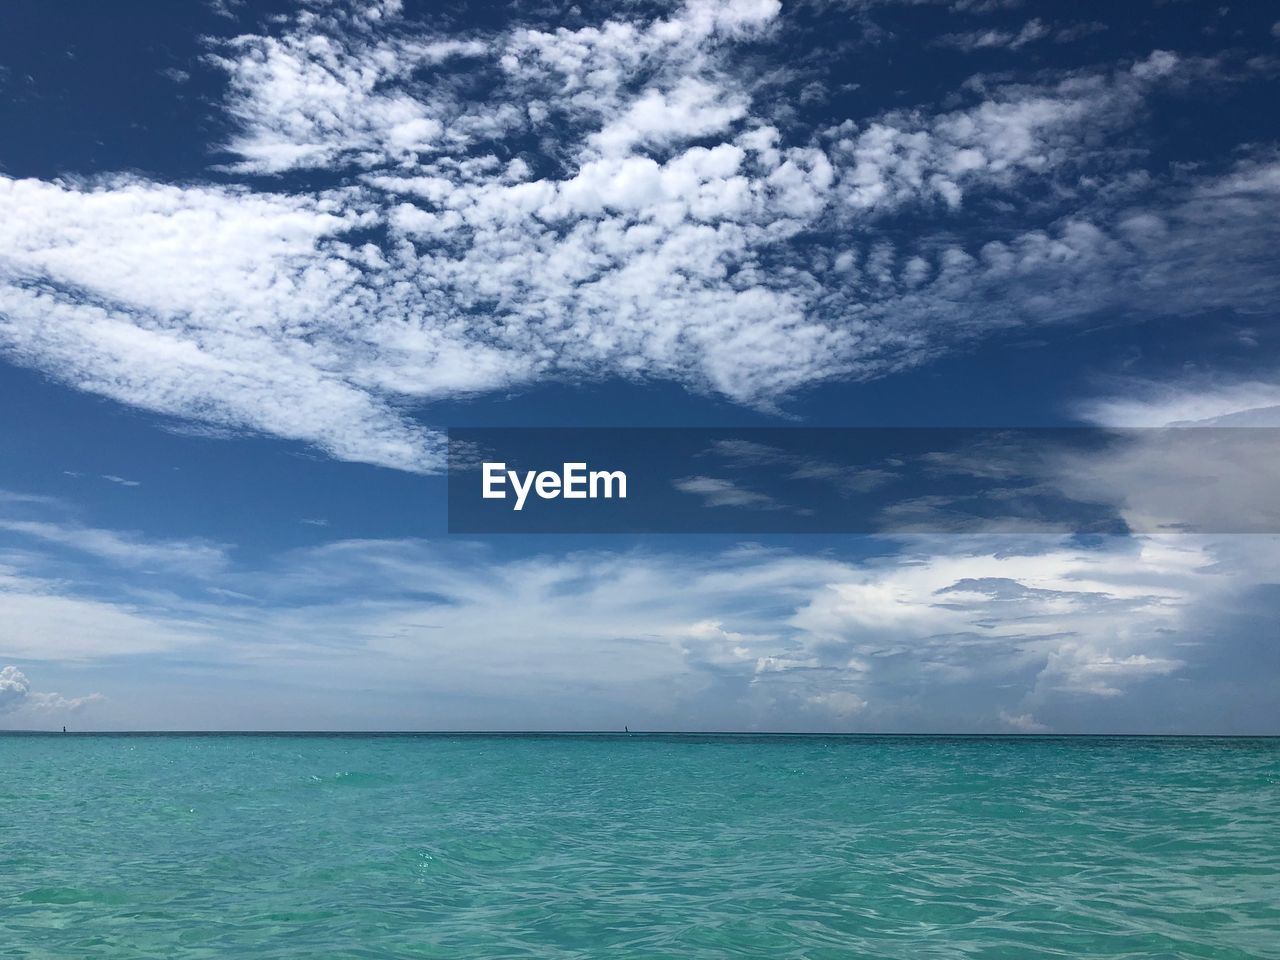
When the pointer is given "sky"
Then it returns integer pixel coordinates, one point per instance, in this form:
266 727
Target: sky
257 258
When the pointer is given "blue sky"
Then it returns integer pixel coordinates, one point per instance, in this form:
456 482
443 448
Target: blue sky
256 258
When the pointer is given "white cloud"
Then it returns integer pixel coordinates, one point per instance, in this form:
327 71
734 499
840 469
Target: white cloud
109 477
936 633
662 221
332 92
53 620
16 695
1022 722
747 636
840 703
1073 615
1208 472
717 492
693 108
13 687
1105 675
198 303
55 607
193 557
1031 31
769 636
1206 402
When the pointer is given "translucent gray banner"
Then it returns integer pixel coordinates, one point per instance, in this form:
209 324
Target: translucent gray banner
864 480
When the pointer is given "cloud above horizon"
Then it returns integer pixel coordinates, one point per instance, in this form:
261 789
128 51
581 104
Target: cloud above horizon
978 633
401 214
16 696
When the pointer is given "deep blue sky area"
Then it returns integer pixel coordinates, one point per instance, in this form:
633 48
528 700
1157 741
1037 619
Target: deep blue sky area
256 259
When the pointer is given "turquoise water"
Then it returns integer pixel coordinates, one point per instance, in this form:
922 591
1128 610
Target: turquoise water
680 847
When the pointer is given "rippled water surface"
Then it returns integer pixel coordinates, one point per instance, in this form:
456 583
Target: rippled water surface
680 847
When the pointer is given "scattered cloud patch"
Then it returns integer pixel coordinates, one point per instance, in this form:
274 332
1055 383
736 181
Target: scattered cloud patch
1031 31
1078 31
402 216
840 703
738 638
190 557
1200 402
1022 722
16 695
110 478
718 492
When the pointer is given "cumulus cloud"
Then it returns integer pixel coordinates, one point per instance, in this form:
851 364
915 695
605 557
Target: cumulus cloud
444 215
936 634
928 637
16 695
13 687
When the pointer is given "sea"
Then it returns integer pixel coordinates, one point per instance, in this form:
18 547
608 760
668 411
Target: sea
643 846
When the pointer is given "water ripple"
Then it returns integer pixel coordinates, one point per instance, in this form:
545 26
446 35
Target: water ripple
639 848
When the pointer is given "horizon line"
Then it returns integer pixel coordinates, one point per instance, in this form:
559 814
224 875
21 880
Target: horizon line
623 734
